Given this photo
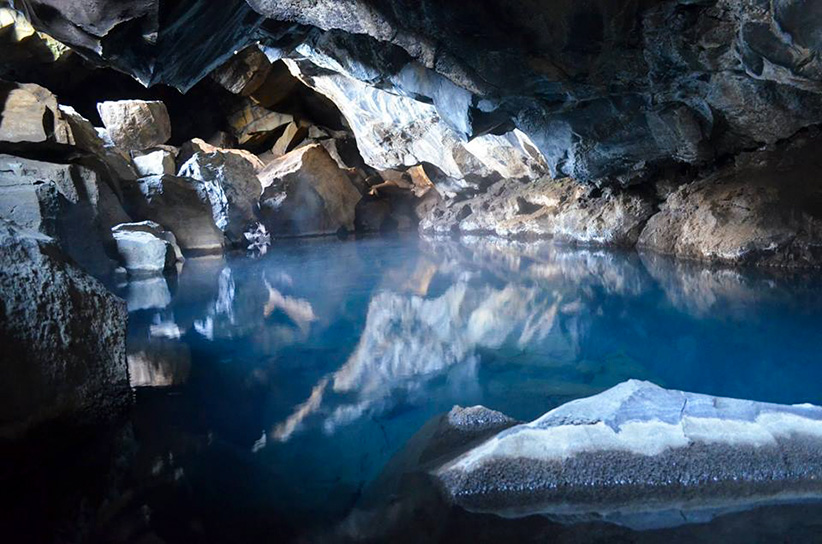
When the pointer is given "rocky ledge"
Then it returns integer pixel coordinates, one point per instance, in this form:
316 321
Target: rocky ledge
643 456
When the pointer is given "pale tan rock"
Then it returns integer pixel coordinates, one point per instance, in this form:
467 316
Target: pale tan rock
306 193
30 115
136 124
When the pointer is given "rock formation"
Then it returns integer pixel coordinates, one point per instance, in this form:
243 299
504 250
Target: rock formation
63 337
635 453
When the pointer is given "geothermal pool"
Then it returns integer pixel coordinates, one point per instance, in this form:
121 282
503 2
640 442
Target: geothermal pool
272 391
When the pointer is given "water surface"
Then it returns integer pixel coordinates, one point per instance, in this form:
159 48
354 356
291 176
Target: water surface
272 391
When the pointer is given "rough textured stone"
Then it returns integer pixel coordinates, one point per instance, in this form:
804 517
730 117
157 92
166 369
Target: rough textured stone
560 209
63 339
136 124
30 115
395 131
66 201
306 193
639 450
765 209
177 205
231 185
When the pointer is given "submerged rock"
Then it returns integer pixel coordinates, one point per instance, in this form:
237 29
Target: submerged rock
645 456
177 205
136 124
306 193
63 335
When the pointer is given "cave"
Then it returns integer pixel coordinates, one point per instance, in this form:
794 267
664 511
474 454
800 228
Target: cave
410 271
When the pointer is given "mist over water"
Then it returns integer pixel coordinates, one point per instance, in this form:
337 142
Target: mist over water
273 391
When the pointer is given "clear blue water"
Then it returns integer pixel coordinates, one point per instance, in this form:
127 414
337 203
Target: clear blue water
274 390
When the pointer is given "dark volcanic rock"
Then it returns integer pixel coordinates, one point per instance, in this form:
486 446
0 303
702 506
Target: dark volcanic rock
63 338
606 89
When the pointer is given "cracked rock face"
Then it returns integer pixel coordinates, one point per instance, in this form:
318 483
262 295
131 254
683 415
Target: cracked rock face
627 454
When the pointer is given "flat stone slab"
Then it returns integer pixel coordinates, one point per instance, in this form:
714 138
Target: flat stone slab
646 456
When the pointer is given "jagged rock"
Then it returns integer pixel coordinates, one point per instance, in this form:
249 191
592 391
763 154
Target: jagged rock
63 335
255 125
766 209
306 193
199 146
629 453
291 137
136 124
97 142
145 248
66 201
560 209
245 73
394 131
230 182
176 204
30 115
154 162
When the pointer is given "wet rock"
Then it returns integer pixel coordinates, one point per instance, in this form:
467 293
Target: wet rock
30 115
136 124
63 335
560 209
306 193
177 205
230 182
765 209
155 162
627 454
66 201
145 248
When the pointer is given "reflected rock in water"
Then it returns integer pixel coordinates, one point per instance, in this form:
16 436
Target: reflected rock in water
147 294
702 290
644 457
160 363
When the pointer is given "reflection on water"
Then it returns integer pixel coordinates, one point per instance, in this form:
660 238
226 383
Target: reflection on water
273 391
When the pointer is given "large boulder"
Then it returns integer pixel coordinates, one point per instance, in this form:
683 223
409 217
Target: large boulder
30 115
136 124
306 193
561 209
177 205
230 182
63 335
642 455
67 201
145 248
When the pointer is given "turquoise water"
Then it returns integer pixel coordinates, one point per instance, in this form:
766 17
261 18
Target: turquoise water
274 390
